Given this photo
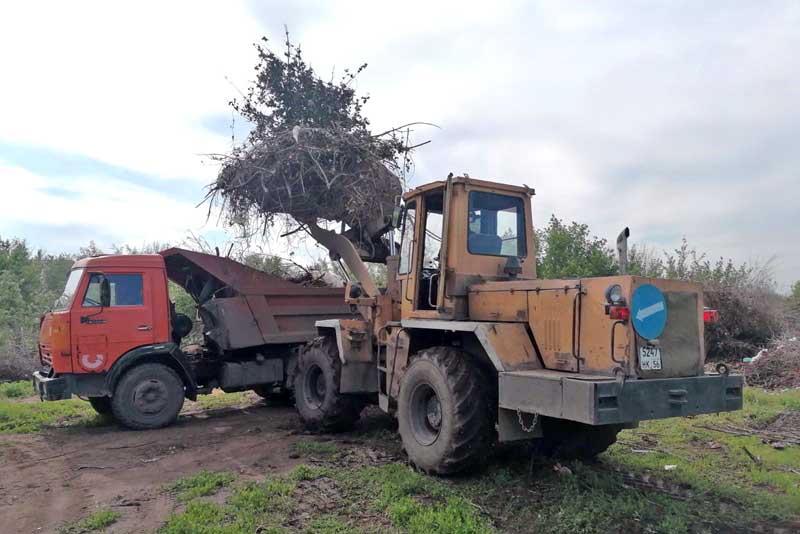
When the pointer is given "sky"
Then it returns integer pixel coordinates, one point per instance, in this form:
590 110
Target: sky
677 119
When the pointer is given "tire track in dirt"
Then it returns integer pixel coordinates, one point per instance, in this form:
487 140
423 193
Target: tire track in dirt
64 474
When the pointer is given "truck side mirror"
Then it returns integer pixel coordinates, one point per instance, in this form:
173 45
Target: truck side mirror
105 292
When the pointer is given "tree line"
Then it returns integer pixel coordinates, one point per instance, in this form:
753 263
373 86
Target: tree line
752 312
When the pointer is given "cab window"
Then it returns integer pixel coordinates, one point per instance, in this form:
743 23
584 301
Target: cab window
496 225
125 290
407 239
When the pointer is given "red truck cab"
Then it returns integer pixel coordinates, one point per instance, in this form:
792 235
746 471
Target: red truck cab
84 334
110 337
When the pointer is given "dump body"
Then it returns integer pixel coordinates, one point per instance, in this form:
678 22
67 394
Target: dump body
242 307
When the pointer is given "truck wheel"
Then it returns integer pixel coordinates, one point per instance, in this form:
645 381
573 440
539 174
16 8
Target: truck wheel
444 412
571 440
282 397
316 389
102 405
148 396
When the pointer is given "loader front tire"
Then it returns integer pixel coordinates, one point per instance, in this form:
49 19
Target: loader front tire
316 389
444 412
148 396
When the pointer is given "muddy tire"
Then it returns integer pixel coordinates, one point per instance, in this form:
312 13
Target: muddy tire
444 412
316 389
283 397
148 396
570 440
101 405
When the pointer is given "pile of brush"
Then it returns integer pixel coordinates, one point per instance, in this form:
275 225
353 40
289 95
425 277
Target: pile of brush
310 174
311 154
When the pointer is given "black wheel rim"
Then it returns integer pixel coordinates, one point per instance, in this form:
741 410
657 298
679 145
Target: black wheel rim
314 387
150 396
425 414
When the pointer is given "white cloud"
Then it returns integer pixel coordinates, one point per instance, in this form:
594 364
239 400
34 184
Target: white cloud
118 211
124 83
677 120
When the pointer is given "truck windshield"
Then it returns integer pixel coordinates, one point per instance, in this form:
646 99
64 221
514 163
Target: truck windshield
65 300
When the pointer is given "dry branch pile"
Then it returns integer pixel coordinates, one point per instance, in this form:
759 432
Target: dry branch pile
310 174
777 366
311 154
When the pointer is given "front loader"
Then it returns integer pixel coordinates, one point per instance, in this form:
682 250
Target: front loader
467 347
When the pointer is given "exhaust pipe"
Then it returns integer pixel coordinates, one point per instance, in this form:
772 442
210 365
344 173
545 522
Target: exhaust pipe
622 250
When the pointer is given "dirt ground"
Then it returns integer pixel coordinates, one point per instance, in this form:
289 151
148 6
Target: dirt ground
63 474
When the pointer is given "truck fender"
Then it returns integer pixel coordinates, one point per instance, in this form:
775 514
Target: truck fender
167 353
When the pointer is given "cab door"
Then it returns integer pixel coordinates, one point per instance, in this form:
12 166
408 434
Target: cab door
107 324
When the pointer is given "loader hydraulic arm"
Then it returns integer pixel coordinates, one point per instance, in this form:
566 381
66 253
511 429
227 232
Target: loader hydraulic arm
341 246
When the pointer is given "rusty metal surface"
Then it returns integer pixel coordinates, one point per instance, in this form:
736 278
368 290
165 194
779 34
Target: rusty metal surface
243 307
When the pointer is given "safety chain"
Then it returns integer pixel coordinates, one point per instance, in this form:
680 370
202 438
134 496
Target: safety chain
527 429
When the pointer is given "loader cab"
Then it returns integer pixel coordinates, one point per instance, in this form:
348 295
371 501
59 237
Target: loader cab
456 233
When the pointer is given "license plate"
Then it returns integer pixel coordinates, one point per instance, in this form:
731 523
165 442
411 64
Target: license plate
650 358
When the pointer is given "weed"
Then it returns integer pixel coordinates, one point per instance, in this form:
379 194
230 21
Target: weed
306 472
17 417
16 390
328 524
200 484
98 520
200 517
219 399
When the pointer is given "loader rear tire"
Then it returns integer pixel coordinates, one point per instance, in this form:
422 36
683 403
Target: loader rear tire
444 412
101 405
316 389
148 396
570 440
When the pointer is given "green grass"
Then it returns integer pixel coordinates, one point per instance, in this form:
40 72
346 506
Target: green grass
95 522
416 503
217 399
403 500
199 485
715 463
314 448
16 390
19 417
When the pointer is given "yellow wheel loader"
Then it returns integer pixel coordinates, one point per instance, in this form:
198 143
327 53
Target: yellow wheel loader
466 346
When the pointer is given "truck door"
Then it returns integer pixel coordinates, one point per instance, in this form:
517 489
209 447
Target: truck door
106 326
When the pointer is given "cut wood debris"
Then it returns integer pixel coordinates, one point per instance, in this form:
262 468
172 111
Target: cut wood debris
311 153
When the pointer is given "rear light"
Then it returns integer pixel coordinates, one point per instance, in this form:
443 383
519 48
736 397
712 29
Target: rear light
619 313
710 316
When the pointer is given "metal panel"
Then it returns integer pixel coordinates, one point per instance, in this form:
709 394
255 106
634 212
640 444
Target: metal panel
359 377
601 401
508 345
551 319
680 343
235 376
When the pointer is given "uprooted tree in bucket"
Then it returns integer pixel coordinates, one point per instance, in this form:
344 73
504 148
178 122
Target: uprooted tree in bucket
311 155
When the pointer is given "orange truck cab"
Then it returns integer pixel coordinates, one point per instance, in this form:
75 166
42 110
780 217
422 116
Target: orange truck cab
114 337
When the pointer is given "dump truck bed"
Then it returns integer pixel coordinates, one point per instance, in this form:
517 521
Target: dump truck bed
243 307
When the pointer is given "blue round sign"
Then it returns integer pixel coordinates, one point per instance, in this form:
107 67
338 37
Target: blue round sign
648 311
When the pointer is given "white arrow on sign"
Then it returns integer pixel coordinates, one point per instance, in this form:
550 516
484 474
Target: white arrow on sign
644 313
